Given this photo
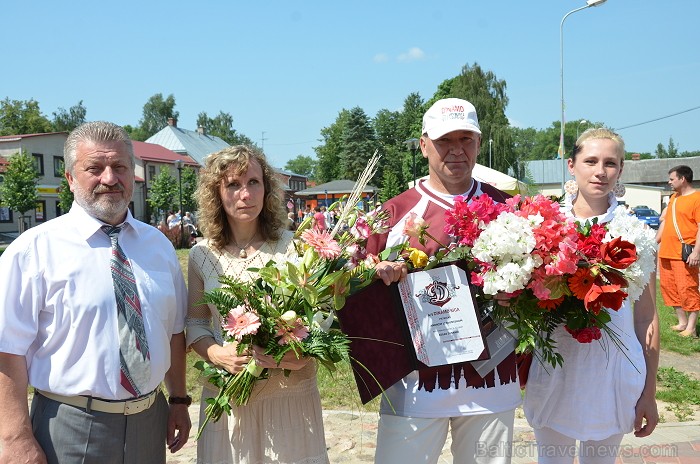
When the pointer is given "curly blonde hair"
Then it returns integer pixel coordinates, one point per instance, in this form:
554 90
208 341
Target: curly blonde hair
212 216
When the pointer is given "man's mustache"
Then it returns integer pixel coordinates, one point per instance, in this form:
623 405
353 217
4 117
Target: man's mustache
102 189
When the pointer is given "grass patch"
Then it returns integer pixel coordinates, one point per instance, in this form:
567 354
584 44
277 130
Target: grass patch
680 391
677 387
339 391
182 255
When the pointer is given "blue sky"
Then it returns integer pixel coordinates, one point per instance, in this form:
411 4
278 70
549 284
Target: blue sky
286 69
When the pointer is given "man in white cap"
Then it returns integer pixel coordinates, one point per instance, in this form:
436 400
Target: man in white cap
417 412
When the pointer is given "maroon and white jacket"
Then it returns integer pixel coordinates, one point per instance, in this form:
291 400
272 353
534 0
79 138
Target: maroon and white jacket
416 395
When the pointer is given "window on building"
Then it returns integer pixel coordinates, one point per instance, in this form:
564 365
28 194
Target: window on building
40 211
151 173
59 166
5 214
38 159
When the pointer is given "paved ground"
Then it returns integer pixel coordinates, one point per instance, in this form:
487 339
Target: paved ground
351 435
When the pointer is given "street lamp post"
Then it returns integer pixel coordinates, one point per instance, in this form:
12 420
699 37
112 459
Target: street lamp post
178 165
589 3
413 145
582 121
490 142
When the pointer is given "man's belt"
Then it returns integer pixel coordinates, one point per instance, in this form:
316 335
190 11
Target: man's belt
126 407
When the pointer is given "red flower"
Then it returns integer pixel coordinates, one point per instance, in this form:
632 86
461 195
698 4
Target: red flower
585 335
618 253
590 245
550 305
611 277
600 296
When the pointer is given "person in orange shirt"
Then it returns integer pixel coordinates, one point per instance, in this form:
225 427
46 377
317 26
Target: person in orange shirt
681 224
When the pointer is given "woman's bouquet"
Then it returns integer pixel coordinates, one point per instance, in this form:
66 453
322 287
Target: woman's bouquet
291 306
543 269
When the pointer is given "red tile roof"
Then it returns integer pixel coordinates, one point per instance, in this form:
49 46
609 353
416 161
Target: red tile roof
153 152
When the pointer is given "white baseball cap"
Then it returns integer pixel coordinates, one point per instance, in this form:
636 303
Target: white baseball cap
449 115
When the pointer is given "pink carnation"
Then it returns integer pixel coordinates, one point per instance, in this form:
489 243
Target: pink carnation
322 242
464 219
240 322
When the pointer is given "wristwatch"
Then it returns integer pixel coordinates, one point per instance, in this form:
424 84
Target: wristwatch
186 400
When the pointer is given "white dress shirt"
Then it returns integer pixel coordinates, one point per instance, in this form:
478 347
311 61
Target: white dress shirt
58 307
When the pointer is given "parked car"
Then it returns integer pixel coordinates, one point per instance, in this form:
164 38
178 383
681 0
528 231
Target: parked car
647 215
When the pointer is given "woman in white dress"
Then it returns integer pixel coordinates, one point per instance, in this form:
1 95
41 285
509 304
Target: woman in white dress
242 217
601 392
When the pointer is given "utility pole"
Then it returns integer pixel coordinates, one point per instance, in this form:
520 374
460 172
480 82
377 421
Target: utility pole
262 142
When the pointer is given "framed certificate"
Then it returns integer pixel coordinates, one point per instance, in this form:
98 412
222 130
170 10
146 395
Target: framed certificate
441 316
424 321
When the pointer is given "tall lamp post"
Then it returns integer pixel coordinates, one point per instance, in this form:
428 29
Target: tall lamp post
413 145
178 165
490 142
589 3
582 121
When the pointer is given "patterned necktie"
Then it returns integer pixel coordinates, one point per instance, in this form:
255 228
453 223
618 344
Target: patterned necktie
134 357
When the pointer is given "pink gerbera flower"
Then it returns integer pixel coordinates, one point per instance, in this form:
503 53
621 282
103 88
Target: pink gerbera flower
322 242
240 322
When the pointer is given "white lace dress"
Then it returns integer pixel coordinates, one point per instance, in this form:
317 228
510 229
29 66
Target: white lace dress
282 421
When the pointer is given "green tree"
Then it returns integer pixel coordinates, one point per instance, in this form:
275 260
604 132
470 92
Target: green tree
661 151
488 95
328 154
524 142
22 117
302 165
390 186
164 189
221 126
65 196
189 186
359 144
156 112
67 120
672 150
18 190
410 127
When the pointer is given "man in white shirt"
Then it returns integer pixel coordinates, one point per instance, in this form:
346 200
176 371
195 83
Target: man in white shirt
63 324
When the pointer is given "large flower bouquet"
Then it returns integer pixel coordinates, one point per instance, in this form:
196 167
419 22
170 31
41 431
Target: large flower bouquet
291 306
543 269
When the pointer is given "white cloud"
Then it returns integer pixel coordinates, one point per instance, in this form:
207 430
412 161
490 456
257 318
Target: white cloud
413 54
381 58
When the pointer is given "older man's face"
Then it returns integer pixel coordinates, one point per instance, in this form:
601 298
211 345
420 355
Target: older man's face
103 179
451 159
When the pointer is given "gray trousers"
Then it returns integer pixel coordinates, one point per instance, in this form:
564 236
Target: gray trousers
72 435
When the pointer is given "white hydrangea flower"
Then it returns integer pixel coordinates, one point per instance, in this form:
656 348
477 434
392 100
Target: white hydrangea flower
633 230
507 243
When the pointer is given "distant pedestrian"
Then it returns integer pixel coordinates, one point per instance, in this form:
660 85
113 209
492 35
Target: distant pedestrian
681 226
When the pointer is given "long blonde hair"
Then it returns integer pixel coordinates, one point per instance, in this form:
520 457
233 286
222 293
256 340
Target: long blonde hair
212 216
